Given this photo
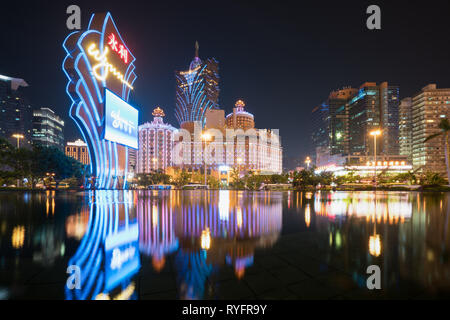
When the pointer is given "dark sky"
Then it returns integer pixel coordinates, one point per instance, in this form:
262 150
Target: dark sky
282 58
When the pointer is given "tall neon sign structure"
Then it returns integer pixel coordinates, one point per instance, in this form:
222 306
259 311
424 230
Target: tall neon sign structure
98 61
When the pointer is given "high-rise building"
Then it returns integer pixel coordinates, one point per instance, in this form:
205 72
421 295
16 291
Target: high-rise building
373 107
243 147
15 111
78 150
155 144
330 124
197 91
405 128
240 119
429 106
47 129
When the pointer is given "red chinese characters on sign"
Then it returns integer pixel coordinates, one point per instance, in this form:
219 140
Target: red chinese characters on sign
119 48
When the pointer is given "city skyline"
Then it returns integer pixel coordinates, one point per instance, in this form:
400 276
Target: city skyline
315 60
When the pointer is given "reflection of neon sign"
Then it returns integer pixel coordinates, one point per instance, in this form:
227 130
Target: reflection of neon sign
103 63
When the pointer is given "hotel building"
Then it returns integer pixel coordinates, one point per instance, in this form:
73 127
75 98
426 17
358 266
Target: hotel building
257 150
47 129
405 128
429 106
155 144
78 150
15 111
197 91
374 107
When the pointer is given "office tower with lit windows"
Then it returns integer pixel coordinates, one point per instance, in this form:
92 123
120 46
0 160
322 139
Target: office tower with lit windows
373 107
15 111
330 125
155 144
405 128
47 129
78 150
429 107
197 91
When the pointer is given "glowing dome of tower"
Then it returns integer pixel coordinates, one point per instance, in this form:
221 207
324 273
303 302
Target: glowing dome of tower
196 61
239 104
158 112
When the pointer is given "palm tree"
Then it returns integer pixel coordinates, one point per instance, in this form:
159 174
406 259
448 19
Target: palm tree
444 125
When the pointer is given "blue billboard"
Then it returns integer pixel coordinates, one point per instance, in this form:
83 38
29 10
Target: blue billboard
121 121
121 256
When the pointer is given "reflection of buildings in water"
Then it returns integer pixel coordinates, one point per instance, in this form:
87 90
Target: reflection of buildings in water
406 234
382 206
107 256
156 227
425 242
235 223
76 224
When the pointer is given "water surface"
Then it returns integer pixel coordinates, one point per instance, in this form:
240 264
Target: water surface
223 245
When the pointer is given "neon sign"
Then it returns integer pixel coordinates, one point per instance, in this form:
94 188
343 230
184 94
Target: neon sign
119 48
98 59
121 121
103 63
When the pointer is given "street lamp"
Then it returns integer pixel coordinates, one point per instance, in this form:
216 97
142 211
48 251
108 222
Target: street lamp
307 161
375 134
205 137
18 136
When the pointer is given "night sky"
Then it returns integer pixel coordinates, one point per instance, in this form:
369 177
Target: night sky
282 58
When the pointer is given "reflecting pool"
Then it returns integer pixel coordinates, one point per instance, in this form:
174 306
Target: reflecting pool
223 245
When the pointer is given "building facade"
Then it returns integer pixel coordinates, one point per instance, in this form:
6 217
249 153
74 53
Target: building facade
429 106
78 150
405 128
47 129
240 119
239 145
155 144
374 107
197 91
15 111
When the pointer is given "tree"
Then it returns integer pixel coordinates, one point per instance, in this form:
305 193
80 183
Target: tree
182 179
444 125
236 181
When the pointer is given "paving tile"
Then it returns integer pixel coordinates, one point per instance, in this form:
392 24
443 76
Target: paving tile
289 275
262 282
311 289
233 289
155 284
167 295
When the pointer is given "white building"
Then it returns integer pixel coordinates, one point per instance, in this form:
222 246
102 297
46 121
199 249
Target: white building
155 144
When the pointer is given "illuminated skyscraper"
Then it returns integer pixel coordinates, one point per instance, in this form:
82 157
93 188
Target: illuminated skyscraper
15 111
429 106
47 128
240 119
374 107
197 91
405 127
155 144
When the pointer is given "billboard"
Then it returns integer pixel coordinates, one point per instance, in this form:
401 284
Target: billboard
121 121
121 256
